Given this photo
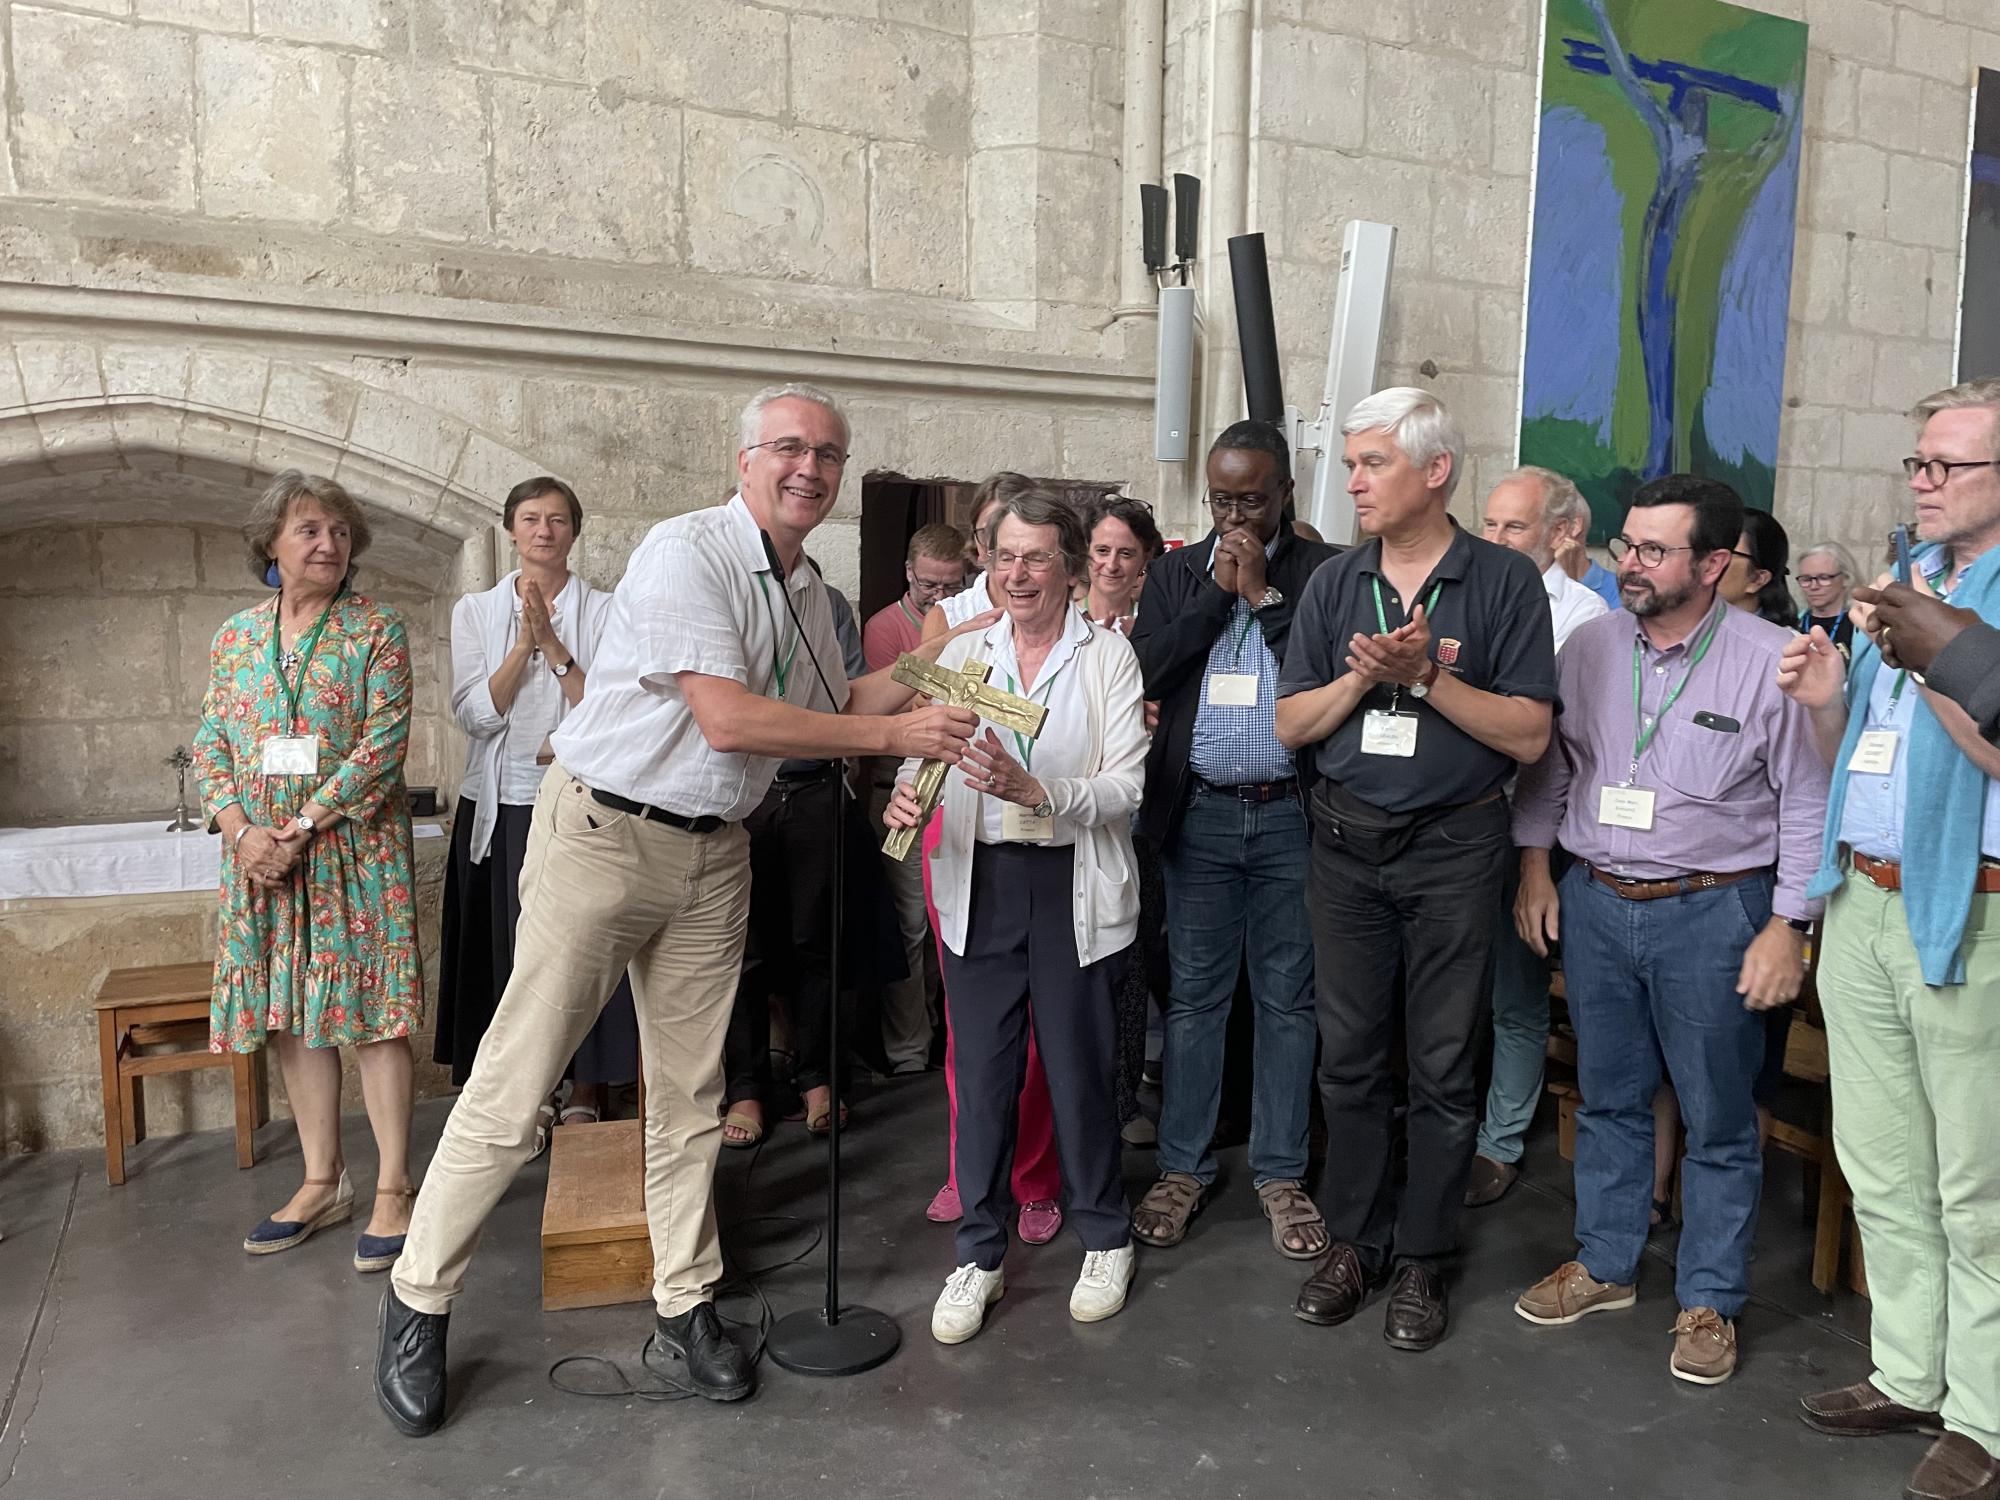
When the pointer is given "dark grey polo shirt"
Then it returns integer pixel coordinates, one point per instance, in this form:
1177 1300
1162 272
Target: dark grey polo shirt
1490 627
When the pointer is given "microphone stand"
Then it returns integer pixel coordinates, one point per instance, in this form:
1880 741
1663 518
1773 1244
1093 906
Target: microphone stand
831 1339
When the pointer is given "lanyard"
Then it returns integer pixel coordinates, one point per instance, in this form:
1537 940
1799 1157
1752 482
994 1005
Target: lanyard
1021 742
1643 732
306 650
1382 615
1249 621
780 669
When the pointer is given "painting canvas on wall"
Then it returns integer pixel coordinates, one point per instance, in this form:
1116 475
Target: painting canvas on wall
1979 309
1660 272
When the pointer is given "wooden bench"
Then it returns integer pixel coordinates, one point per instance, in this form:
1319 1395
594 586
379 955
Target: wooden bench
163 1007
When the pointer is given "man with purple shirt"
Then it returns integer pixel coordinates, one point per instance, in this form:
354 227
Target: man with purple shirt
1693 802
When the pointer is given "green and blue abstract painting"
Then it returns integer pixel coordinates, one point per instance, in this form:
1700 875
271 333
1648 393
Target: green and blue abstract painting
1660 273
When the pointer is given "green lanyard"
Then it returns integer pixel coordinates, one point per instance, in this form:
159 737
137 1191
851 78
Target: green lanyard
1382 615
1021 741
1249 620
310 645
1643 732
780 669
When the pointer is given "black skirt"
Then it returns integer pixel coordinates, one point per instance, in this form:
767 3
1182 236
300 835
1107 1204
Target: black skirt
482 904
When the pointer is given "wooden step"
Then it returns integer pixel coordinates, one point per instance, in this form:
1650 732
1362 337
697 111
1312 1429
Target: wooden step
595 1249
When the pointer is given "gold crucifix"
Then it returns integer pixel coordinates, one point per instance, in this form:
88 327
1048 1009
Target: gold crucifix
966 687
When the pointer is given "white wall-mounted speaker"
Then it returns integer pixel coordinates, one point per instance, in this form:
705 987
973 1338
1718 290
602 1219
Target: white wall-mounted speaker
1367 251
1173 388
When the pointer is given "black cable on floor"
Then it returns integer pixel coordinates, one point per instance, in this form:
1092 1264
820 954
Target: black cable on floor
740 1279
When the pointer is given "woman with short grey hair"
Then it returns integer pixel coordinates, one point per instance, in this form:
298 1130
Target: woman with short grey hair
1826 576
300 758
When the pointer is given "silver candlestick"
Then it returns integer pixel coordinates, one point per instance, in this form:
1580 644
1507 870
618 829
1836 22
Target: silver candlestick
180 760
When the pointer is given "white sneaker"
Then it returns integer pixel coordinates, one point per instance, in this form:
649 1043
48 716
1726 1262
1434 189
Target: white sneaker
1100 1290
961 1306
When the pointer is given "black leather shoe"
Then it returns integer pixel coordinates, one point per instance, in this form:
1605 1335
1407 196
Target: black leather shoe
1417 1314
712 1364
1336 1289
409 1366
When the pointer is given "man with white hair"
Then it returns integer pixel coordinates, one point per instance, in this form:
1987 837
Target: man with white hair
1419 674
638 860
1538 512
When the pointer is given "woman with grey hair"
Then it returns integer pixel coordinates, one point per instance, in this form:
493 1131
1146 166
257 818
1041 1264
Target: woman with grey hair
300 757
1826 577
1033 879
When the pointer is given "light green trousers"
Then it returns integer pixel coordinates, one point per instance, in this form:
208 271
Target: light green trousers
1916 1123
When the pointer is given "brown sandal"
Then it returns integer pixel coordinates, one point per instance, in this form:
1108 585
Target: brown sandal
1162 1217
1290 1210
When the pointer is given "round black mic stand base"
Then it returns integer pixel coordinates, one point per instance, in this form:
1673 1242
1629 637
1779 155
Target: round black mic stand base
806 1344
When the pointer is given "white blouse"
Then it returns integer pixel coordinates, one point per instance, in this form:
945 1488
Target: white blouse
1063 748
973 599
500 763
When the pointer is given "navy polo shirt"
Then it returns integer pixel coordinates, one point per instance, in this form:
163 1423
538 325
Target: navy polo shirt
1490 627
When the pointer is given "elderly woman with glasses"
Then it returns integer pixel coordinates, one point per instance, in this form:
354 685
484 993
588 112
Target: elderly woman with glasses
1827 577
300 754
1033 879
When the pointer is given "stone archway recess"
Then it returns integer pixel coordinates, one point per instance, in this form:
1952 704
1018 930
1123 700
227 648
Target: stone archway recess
433 486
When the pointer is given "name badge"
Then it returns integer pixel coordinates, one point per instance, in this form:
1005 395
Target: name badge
1232 689
1874 752
1386 733
1019 824
291 755
1625 807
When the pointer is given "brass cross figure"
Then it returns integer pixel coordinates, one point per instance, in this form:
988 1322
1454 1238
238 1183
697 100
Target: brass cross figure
964 688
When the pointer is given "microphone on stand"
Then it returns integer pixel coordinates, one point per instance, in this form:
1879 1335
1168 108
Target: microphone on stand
830 1340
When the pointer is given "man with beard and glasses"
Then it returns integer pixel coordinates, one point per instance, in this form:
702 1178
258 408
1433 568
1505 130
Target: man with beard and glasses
1688 788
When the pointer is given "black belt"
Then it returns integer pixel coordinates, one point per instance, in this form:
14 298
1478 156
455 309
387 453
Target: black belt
1256 791
706 823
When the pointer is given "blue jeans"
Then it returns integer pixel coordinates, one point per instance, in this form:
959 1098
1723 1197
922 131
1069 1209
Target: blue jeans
1231 861
1657 979
1520 1032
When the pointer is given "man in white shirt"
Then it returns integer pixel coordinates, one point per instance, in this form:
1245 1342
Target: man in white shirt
638 860
1536 511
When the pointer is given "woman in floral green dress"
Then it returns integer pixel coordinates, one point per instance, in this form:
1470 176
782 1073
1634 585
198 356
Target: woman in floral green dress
300 755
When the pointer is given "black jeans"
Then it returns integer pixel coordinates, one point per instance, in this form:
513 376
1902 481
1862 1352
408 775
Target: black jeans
790 944
1426 916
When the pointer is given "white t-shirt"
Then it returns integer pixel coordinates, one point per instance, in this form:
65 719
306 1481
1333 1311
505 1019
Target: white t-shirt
971 600
1570 603
697 596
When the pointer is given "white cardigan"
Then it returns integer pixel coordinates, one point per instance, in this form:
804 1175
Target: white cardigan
1099 807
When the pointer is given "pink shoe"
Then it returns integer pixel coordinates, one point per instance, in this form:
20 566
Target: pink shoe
945 1207
1040 1222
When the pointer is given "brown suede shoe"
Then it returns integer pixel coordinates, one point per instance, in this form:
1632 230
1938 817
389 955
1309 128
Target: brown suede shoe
1489 1181
1859 1410
1956 1468
1569 1292
1704 1347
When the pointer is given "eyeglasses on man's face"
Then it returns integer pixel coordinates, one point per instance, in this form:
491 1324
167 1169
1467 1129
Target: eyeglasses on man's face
1249 505
1937 471
1650 554
791 449
935 588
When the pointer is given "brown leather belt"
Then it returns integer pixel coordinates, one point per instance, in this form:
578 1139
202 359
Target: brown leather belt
1888 874
1672 885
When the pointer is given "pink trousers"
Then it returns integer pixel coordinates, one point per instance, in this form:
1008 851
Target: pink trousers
1037 1173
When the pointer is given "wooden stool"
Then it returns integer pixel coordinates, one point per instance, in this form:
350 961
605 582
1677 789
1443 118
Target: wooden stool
164 1006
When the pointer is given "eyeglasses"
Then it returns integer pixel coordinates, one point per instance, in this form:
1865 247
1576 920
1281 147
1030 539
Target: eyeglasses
946 590
1938 470
1243 505
1814 580
1034 562
796 448
1650 554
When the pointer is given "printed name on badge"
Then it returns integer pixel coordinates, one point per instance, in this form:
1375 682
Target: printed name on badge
1874 753
1626 807
1386 733
291 755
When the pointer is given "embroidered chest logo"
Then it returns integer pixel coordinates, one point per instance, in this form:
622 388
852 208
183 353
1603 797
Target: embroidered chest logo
1448 652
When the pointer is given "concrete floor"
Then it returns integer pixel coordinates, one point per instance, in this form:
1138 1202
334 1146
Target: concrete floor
142 1354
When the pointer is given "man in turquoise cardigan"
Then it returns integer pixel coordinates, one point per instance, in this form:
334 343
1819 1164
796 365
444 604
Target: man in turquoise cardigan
1909 979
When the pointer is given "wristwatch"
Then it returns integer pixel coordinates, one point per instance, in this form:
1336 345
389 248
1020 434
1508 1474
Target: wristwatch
1045 808
304 824
1271 600
1421 688
1798 924
561 668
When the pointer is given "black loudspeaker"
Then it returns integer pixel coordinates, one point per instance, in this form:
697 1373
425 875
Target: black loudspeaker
1153 225
1256 330
1187 215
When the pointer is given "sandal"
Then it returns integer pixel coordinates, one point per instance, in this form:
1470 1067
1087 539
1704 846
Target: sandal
1292 1213
817 1123
545 1121
1161 1219
752 1127
578 1114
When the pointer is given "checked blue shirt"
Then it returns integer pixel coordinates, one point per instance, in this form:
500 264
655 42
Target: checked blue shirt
1235 744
